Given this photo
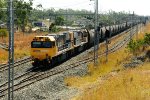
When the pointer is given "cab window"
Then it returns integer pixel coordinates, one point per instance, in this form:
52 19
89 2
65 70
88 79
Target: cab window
41 44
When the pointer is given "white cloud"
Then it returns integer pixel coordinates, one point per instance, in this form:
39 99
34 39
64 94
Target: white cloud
140 7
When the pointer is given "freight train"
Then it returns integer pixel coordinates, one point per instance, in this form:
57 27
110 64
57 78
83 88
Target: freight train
55 48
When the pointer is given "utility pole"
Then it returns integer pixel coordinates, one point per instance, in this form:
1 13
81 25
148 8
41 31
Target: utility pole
96 40
11 50
137 26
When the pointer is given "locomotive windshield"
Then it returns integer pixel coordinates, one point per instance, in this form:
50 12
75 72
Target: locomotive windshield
41 44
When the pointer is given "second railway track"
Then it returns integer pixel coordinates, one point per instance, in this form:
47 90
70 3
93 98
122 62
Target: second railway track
24 60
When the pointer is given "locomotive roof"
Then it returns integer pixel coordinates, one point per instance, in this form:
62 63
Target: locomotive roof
50 37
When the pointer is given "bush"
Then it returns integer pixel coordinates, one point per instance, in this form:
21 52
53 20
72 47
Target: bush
3 33
55 29
147 39
134 46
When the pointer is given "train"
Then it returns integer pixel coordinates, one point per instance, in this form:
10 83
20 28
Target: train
52 49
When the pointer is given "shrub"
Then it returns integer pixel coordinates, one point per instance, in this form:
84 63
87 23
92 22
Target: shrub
3 33
55 29
147 39
134 46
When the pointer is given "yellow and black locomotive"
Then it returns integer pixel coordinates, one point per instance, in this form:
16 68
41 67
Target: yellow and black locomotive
54 48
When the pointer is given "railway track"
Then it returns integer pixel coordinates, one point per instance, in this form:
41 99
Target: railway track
4 67
4 46
31 78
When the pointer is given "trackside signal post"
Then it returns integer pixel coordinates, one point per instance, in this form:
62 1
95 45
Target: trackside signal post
131 31
11 49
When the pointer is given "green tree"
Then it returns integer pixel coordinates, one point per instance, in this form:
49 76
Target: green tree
134 46
147 38
22 12
2 5
3 33
59 20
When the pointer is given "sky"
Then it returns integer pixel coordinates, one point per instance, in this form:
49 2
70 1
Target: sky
140 7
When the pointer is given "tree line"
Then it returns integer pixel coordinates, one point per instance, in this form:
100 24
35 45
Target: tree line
25 14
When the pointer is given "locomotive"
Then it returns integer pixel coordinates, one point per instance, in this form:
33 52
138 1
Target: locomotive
55 48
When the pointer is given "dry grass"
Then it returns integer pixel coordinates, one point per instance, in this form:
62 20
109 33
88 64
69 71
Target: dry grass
130 84
21 46
104 82
3 56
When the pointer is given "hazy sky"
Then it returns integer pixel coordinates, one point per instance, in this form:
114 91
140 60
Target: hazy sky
141 7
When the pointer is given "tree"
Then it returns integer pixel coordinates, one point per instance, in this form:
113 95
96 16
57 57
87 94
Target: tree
2 5
39 6
22 12
3 33
59 20
147 39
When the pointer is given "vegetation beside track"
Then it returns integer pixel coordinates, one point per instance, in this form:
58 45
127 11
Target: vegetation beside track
21 46
114 81
3 56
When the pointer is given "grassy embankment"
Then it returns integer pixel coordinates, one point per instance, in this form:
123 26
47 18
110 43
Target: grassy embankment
112 81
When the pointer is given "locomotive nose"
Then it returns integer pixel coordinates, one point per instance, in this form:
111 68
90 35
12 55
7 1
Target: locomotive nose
40 54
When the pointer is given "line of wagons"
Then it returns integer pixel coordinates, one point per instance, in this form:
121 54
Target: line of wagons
51 49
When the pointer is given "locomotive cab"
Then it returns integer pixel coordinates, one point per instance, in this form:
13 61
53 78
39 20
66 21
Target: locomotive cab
43 48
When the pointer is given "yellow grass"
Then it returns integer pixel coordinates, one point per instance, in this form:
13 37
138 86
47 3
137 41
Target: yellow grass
21 46
3 56
130 84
